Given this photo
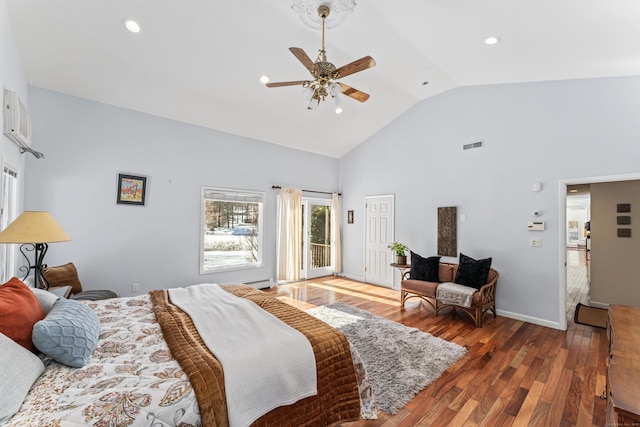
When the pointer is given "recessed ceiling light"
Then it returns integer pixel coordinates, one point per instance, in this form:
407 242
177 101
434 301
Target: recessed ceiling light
131 25
492 40
573 191
264 79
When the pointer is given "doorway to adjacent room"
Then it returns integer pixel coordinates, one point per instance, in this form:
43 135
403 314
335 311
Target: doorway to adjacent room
578 247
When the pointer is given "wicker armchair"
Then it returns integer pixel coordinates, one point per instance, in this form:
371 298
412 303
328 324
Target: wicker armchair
483 300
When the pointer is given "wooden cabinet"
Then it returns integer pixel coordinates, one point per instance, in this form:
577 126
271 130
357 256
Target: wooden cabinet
623 370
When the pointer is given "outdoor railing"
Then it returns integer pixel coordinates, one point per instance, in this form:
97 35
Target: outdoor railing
320 255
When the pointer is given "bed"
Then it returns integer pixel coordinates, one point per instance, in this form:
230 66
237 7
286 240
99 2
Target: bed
150 367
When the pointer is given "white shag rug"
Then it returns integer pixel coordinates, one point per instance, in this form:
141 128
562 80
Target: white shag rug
400 361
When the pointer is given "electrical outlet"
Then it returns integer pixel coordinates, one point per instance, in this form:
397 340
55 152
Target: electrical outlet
536 243
134 287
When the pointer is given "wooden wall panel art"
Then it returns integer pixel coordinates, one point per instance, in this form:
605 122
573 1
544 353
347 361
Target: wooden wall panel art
447 231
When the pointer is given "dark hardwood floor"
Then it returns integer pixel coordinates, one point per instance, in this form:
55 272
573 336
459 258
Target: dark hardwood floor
514 374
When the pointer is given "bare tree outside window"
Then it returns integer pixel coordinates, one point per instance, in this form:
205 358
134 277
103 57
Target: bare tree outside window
232 222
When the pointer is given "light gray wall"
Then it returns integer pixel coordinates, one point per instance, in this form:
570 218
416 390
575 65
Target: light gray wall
534 132
157 246
12 77
614 277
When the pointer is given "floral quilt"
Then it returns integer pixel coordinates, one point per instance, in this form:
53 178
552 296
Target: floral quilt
131 378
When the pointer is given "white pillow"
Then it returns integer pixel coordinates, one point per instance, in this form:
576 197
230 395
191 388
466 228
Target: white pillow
19 369
46 298
28 281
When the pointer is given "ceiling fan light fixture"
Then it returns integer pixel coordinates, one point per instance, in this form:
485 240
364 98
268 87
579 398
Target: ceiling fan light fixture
335 89
324 74
314 102
336 100
264 80
307 11
306 92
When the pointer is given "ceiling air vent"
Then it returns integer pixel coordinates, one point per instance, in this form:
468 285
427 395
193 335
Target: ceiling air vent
478 144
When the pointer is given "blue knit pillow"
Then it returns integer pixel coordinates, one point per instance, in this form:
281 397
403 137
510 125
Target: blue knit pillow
68 334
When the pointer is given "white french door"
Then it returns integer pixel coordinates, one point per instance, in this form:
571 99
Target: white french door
316 238
378 236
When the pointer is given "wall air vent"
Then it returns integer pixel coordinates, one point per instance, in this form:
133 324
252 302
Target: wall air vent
473 145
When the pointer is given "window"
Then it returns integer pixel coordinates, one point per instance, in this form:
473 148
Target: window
231 233
7 215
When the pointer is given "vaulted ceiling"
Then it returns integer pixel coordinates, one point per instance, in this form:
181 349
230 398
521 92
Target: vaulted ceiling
200 61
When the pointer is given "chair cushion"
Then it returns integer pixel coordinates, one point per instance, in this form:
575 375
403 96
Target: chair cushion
421 287
69 333
63 275
472 272
19 311
19 368
446 272
424 268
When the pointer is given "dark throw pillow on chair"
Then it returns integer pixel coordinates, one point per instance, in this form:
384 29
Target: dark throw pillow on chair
424 268
472 272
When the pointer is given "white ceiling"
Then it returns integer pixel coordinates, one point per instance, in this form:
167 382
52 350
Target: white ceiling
200 61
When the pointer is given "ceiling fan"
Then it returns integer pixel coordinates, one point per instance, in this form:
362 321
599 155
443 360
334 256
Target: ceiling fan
325 74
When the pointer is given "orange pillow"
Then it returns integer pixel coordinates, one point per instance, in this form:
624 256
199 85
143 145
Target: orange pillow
19 311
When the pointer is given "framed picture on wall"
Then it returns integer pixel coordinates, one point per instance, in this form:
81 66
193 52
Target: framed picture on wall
349 217
132 189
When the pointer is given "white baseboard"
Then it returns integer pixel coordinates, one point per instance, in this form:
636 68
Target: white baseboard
516 316
261 284
352 277
599 304
529 319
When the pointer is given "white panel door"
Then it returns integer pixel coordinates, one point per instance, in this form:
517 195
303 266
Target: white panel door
378 237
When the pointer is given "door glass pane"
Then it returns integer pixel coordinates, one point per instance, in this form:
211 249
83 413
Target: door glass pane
320 236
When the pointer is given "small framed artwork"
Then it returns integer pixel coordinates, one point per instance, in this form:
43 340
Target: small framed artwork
349 217
624 220
132 189
623 207
624 232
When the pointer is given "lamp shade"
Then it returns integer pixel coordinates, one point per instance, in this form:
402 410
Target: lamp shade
34 227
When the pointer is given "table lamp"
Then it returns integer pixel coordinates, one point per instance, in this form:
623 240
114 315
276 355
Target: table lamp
34 231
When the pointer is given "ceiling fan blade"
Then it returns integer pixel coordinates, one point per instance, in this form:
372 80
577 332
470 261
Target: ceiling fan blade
304 58
354 93
280 84
354 67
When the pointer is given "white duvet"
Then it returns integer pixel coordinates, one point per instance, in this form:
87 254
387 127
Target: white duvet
266 363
